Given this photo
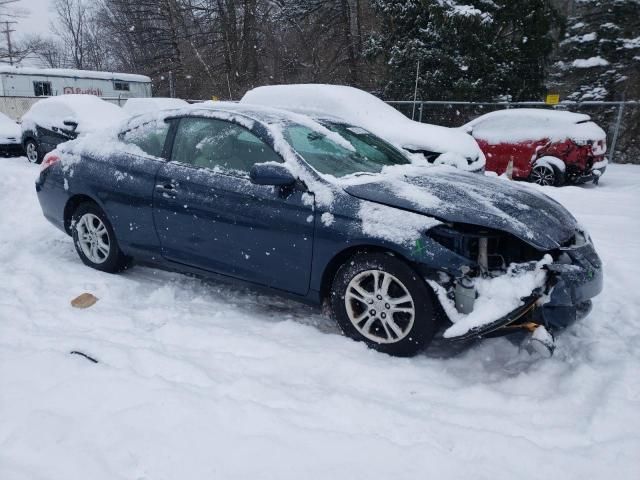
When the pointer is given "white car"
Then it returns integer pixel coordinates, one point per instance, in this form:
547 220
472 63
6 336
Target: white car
55 120
138 106
438 145
9 136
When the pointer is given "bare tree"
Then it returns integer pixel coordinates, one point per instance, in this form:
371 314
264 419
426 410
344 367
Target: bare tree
48 51
71 27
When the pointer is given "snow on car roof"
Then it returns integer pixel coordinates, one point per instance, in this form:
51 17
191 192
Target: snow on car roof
137 106
521 124
90 112
535 114
68 72
360 108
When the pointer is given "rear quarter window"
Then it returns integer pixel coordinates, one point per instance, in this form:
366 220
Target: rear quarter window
149 137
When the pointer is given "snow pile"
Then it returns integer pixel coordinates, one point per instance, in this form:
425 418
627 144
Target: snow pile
138 106
202 380
365 110
497 296
521 124
9 130
589 62
88 111
553 162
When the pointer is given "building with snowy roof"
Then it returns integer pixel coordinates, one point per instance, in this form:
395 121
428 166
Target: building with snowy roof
46 82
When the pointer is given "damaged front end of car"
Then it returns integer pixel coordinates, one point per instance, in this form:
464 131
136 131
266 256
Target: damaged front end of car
505 286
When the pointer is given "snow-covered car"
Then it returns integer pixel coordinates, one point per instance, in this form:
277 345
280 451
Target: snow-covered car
9 137
54 120
547 147
138 106
438 145
324 213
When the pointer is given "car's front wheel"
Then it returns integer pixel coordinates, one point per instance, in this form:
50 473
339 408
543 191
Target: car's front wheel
546 175
32 151
378 299
95 240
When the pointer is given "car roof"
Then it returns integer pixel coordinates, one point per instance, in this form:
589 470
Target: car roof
258 113
541 114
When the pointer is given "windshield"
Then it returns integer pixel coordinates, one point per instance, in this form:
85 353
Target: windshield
369 155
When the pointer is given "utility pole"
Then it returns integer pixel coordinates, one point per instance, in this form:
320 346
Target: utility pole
172 85
415 90
7 26
8 31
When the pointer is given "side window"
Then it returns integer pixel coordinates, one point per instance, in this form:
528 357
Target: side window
217 144
121 86
150 137
42 89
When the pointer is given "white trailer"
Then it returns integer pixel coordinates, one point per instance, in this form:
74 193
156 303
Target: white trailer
46 82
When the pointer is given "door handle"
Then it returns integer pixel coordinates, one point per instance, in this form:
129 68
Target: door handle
168 190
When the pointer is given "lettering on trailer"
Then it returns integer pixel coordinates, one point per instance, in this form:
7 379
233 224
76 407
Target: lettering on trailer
87 91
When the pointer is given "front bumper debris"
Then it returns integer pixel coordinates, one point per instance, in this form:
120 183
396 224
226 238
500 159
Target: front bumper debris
594 174
564 299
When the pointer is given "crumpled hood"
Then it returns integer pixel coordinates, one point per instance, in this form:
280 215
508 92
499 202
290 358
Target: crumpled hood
458 197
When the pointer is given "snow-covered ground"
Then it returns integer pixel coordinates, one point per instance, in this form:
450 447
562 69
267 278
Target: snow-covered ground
200 380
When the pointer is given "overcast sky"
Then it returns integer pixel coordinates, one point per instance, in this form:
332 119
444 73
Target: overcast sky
37 19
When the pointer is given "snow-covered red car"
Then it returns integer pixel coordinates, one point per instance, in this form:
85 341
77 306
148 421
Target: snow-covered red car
547 147
422 141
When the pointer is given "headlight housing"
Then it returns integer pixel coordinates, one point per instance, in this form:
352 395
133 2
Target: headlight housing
491 249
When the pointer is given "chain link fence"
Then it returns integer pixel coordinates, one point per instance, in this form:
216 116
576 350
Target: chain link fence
621 120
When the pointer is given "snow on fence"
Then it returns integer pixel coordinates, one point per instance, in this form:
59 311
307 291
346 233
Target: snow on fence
621 120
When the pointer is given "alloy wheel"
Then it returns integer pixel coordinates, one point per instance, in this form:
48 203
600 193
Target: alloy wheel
93 238
32 152
543 175
379 306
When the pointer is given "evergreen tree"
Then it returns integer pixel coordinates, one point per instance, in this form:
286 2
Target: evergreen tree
481 51
599 56
599 59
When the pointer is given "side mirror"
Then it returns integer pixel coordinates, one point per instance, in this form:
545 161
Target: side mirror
71 124
271 174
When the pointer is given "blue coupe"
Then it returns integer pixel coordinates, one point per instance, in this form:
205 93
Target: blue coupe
324 212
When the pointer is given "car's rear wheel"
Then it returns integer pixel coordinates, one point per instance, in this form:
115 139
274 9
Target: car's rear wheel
545 175
378 299
32 151
95 240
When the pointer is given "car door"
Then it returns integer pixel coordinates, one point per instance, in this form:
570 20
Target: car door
126 185
506 140
50 138
209 215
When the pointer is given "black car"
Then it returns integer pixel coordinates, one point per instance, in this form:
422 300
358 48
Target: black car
54 120
324 213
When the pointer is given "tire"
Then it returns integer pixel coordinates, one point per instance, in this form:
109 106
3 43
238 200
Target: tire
546 175
32 151
377 318
95 240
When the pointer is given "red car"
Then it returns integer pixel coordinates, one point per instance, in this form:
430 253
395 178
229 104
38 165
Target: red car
547 147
